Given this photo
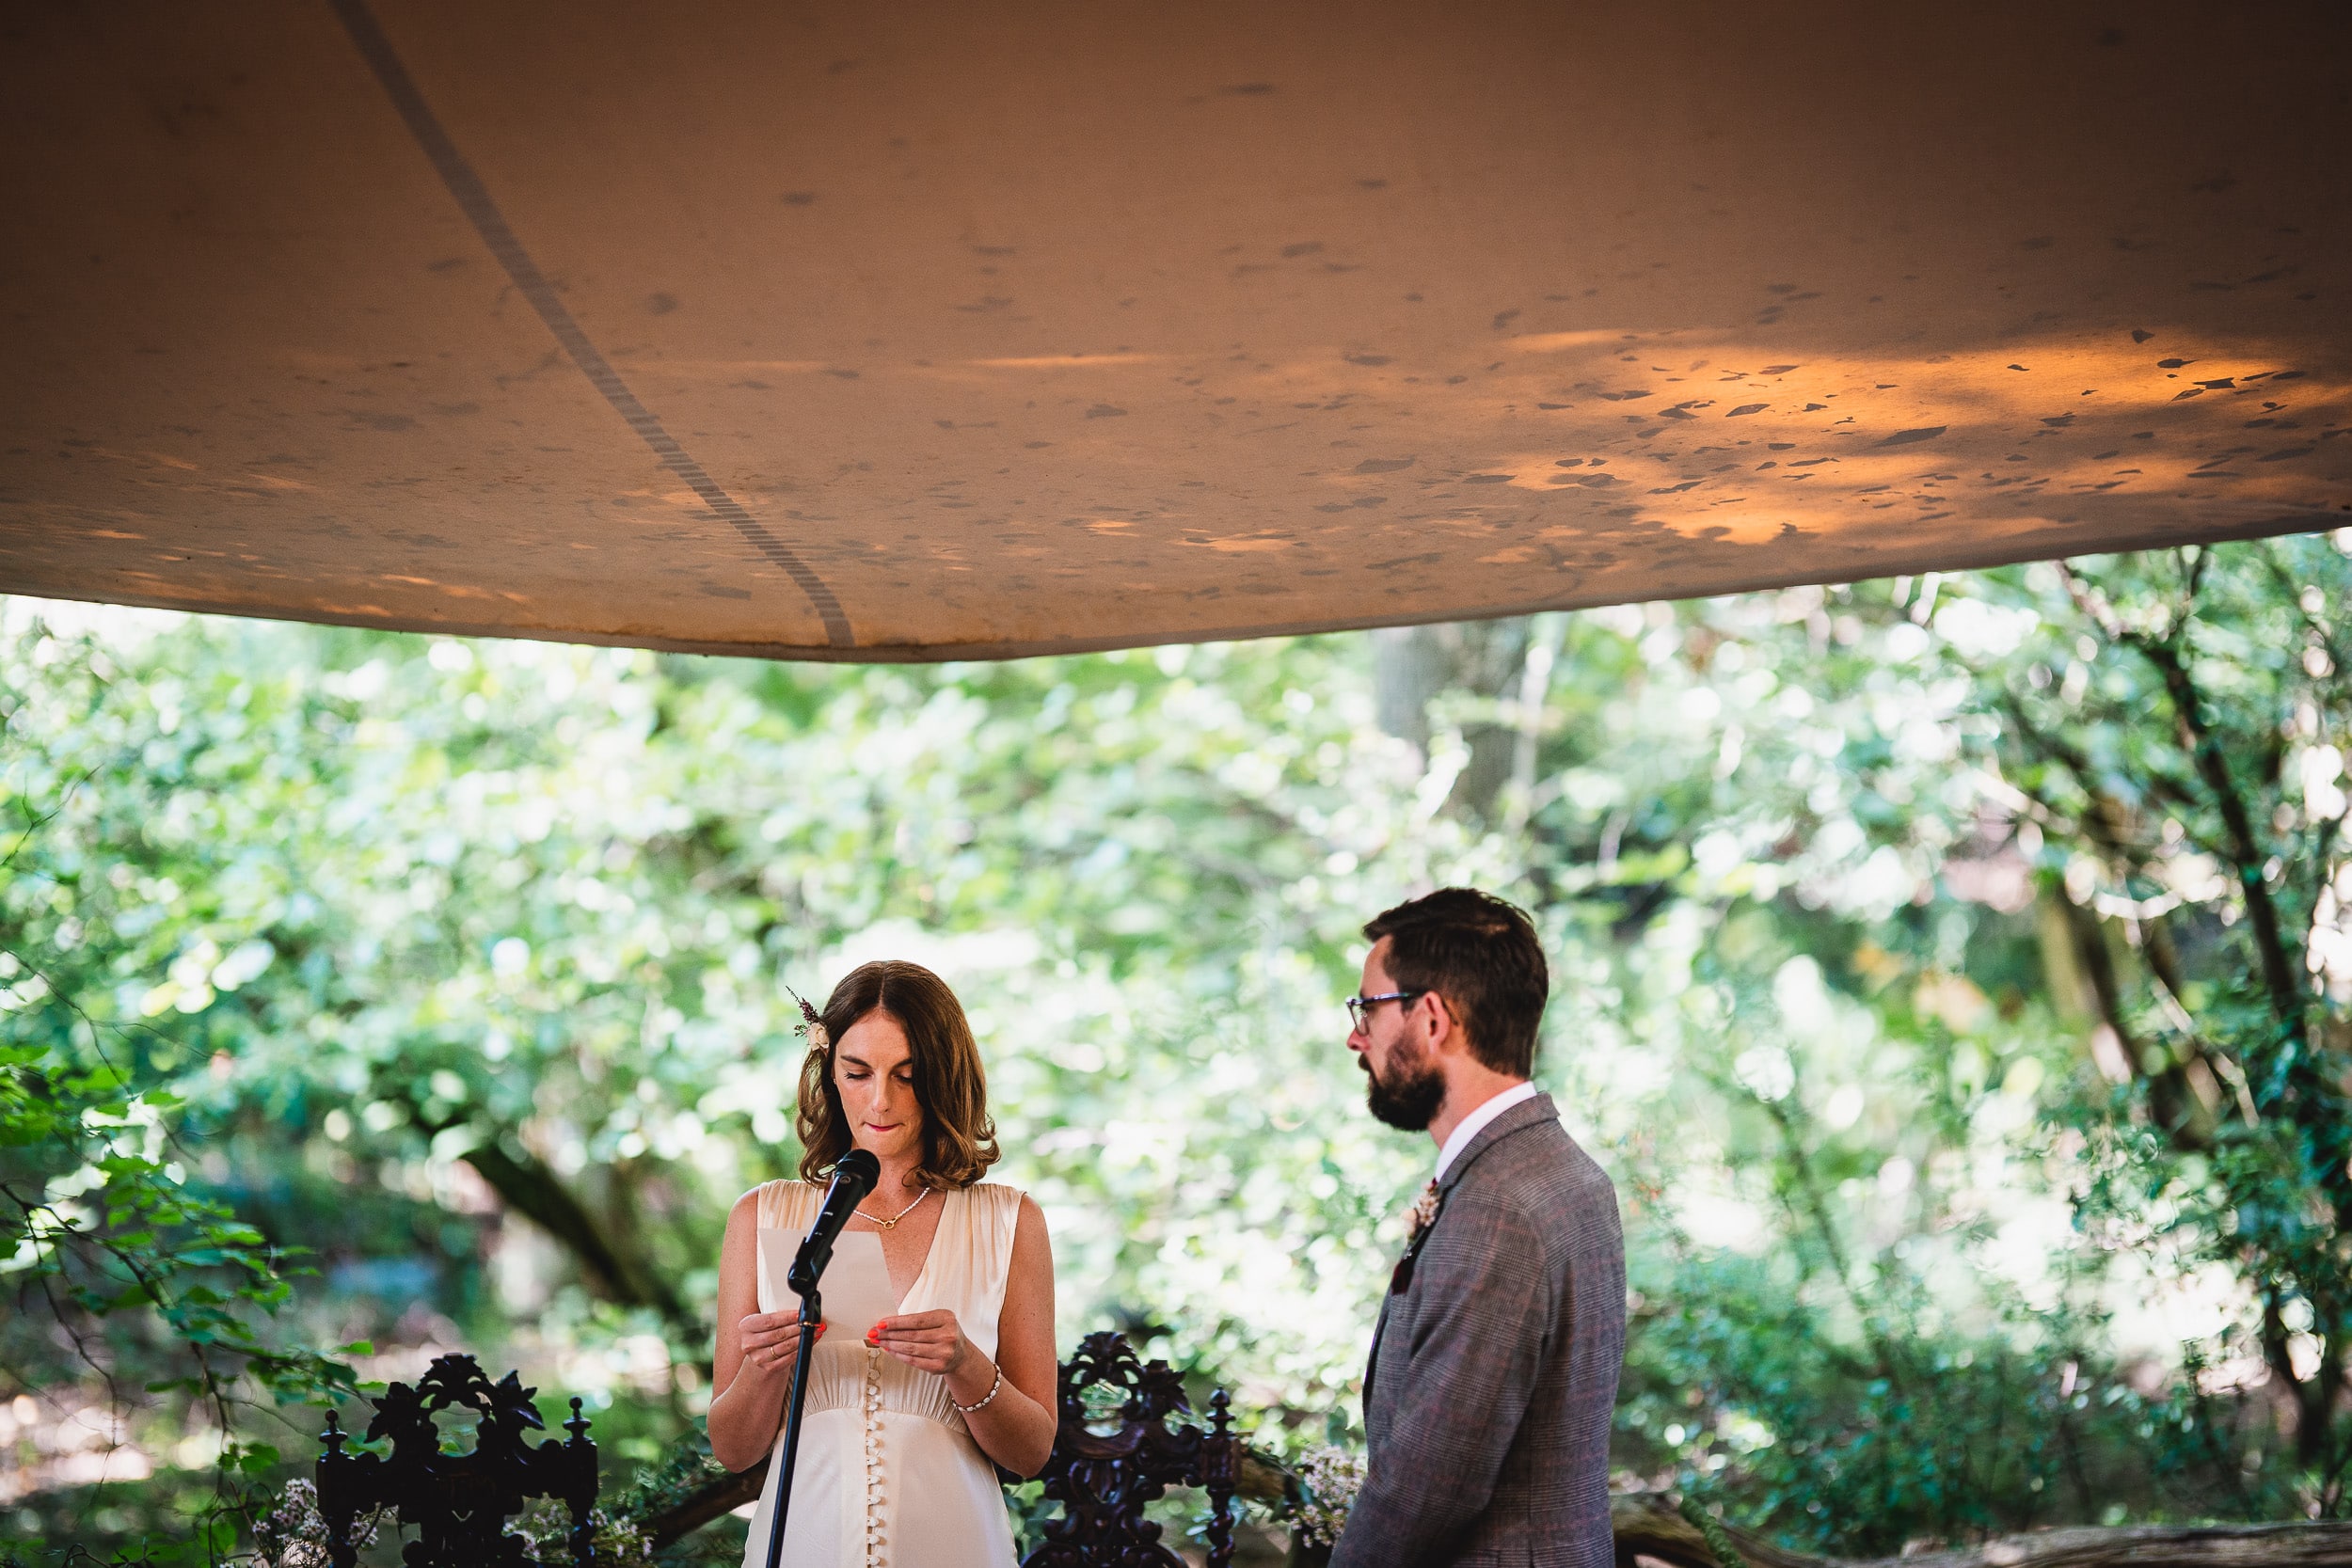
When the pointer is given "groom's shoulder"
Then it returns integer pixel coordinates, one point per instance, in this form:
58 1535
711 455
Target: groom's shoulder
1535 1167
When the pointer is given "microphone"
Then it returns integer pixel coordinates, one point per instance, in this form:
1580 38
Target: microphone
852 1178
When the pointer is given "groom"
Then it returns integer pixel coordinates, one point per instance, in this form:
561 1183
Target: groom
1494 1368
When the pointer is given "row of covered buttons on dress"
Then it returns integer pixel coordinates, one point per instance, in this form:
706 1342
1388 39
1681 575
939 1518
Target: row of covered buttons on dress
870 1403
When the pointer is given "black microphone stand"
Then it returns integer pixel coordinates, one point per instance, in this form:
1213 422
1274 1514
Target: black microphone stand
812 1310
852 1178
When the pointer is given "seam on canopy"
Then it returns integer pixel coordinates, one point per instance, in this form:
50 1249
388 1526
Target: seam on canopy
473 199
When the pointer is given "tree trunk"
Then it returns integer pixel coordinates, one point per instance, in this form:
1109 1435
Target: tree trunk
1409 667
612 1268
684 1515
528 1187
1413 666
1647 1525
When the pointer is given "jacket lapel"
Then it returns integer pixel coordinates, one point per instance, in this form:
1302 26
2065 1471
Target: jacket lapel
1533 1112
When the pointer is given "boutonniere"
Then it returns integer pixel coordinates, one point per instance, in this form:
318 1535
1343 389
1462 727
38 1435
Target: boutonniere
1424 1211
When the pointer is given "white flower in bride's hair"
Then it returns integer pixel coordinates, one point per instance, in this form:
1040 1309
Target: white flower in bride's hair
812 1025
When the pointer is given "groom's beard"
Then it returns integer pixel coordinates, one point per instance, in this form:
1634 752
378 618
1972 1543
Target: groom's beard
1409 1098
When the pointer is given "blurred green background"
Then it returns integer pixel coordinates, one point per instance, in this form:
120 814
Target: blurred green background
1951 972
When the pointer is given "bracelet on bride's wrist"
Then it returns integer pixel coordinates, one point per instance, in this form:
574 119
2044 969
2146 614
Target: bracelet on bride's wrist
993 1390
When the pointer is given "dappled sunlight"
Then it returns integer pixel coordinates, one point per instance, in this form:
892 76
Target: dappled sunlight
1826 449
1552 468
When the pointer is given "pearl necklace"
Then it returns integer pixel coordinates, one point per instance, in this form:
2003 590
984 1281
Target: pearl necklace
892 1222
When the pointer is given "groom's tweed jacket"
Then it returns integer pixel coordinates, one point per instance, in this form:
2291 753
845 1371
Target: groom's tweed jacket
1494 1372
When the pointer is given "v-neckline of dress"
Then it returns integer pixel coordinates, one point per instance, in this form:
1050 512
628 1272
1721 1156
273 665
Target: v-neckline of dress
923 1270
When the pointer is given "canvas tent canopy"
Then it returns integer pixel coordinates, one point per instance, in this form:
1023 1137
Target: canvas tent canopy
923 330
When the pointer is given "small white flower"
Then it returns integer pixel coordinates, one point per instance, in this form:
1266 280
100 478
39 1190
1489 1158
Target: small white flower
1426 1209
1330 1478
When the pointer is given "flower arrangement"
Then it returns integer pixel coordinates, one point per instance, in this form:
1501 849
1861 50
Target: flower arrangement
294 1534
1327 1480
545 1526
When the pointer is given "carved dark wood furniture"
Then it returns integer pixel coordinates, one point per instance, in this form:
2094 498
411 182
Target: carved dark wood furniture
458 1502
1122 1444
1109 1461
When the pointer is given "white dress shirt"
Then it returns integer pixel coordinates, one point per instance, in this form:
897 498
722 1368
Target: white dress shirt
1475 1123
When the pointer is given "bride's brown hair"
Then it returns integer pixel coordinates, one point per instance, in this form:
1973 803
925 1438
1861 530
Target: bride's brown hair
959 1139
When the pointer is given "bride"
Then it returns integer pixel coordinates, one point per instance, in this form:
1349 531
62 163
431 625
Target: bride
935 1356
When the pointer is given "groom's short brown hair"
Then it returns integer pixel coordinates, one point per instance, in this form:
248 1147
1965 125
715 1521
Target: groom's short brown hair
1480 953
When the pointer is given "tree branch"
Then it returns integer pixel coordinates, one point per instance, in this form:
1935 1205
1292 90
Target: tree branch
527 1186
686 1515
2245 855
532 1190
1817 1211
2170 1097
1646 1525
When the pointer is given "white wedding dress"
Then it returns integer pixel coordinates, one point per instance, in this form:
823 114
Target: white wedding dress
888 1475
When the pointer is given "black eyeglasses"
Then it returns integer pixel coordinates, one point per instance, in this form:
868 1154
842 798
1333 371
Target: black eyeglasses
1360 1007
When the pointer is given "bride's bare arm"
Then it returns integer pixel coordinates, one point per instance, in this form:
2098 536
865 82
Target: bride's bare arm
752 1364
1016 1428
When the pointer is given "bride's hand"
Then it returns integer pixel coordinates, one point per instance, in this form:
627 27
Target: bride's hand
771 1339
927 1342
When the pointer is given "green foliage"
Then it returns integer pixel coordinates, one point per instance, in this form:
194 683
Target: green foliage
2149 749
685 1469
117 1268
1743 1398
104 1235
2185 772
1910 973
